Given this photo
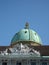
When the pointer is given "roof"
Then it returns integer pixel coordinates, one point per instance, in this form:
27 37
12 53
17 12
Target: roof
3 48
26 34
44 50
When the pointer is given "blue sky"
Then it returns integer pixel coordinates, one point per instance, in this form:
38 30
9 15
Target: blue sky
15 13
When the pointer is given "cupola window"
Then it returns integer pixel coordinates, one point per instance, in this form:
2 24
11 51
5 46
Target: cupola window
25 31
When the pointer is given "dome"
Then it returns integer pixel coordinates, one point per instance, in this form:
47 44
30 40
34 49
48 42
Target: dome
26 35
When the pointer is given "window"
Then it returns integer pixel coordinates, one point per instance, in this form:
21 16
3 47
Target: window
4 63
18 63
44 63
33 63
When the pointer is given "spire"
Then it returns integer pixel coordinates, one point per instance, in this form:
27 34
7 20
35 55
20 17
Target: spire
27 25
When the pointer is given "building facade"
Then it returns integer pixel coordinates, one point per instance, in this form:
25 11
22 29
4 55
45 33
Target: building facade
25 49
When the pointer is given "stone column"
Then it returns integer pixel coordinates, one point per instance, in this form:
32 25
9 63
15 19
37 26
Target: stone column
0 62
48 62
24 62
28 62
13 62
38 62
9 62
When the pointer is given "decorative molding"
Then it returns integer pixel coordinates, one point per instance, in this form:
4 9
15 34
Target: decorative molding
21 49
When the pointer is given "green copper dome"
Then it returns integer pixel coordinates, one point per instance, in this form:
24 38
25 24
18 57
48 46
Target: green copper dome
26 35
